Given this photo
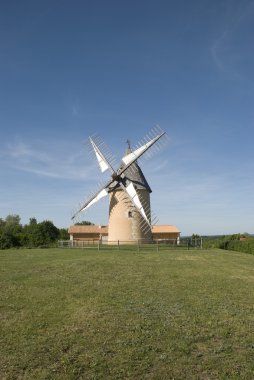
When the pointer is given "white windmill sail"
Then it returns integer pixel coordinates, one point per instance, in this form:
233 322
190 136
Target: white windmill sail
104 165
117 176
133 156
100 194
97 197
135 199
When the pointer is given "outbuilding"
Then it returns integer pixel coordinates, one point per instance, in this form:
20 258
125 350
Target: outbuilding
95 233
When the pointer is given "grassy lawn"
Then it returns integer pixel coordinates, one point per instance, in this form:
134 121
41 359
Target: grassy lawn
84 314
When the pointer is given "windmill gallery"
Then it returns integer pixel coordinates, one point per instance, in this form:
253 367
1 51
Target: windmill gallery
130 216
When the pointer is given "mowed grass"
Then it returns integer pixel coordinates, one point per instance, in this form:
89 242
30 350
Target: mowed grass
84 314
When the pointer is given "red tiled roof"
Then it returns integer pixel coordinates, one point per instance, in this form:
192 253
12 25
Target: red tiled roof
164 229
104 229
88 229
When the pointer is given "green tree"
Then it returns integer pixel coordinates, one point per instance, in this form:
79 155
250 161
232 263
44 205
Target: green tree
195 236
28 236
45 234
8 240
2 224
12 224
84 223
235 237
10 230
32 221
33 234
64 234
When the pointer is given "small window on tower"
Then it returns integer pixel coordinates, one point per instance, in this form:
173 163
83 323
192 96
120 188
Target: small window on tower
129 214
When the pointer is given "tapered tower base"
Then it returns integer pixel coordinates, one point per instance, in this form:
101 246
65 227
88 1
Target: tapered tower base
125 222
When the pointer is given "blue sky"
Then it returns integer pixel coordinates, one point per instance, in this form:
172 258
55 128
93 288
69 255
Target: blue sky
69 69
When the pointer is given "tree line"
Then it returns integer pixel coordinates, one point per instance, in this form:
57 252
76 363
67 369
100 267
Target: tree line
236 242
33 234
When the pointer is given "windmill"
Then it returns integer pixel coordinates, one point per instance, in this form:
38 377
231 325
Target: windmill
130 215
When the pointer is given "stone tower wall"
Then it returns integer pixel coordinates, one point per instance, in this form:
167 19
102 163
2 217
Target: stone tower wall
125 222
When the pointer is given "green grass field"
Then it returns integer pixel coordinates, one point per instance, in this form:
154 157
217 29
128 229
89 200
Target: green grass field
84 314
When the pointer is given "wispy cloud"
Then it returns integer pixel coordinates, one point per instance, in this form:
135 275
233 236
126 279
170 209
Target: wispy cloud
18 150
217 48
43 159
207 201
75 110
226 48
225 56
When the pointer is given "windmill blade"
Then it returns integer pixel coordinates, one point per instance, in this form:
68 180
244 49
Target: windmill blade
144 226
100 194
117 177
133 156
131 191
103 162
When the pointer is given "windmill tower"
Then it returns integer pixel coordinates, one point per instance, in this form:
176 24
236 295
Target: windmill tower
129 193
125 222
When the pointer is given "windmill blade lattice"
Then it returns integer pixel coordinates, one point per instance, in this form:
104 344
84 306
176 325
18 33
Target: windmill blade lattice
121 178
